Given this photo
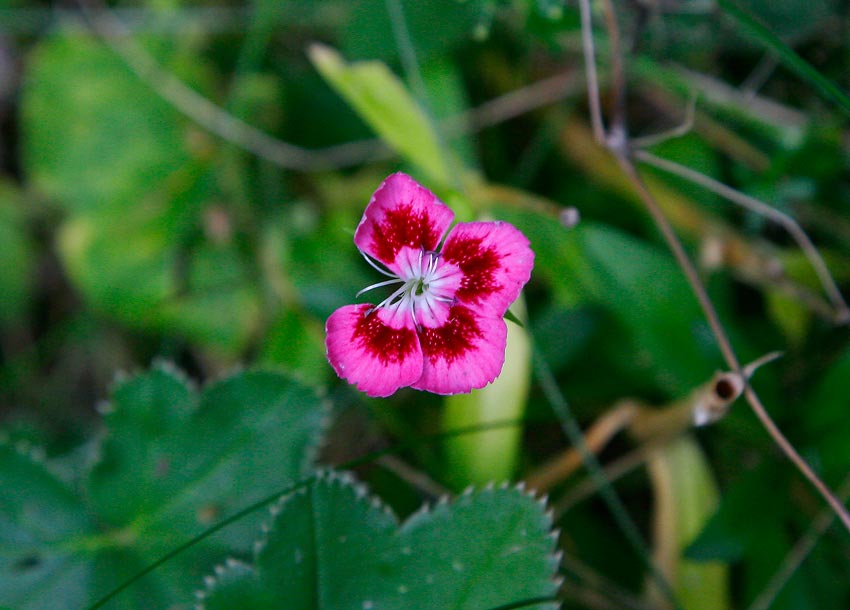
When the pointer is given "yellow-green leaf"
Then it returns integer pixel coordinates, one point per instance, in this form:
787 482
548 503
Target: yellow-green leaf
685 498
383 102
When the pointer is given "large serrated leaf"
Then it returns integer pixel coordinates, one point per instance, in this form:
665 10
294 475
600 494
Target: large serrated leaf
173 461
381 100
331 546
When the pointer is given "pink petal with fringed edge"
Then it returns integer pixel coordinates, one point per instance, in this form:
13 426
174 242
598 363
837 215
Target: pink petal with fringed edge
379 352
401 213
465 353
496 261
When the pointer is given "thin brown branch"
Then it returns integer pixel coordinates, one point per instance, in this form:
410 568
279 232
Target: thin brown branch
622 151
677 131
725 345
842 312
596 438
204 112
619 123
590 69
230 128
515 103
706 404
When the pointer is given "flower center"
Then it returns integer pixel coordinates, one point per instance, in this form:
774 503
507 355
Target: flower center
426 288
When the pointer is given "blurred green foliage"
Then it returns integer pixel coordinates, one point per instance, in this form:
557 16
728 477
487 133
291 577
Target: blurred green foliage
131 230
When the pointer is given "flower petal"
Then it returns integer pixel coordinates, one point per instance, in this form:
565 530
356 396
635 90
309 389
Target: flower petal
378 351
466 353
496 261
401 213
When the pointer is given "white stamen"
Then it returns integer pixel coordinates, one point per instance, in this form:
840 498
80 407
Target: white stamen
389 300
412 309
432 263
397 280
422 286
374 265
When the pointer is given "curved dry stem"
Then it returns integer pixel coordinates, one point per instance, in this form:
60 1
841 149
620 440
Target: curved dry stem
208 115
842 312
618 144
215 119
678 131
590 68
688 268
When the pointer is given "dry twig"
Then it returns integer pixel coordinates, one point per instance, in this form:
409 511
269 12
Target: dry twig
617 142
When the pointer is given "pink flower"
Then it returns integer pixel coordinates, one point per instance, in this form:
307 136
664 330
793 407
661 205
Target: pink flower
442 329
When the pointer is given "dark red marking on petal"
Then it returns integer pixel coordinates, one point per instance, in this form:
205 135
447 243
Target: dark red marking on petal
453 339
479 265
386 344
404 226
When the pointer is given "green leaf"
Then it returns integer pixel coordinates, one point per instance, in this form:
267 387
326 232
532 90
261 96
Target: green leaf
331 546
40 517
120 261
133 175
172 462
641 288
382 101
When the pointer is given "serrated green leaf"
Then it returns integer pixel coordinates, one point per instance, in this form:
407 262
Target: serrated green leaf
331 546
40 517
382 101
173 461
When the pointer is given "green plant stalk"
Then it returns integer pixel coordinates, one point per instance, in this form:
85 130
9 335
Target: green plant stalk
686 496
490 456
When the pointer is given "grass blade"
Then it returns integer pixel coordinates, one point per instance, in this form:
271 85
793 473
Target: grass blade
789 58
